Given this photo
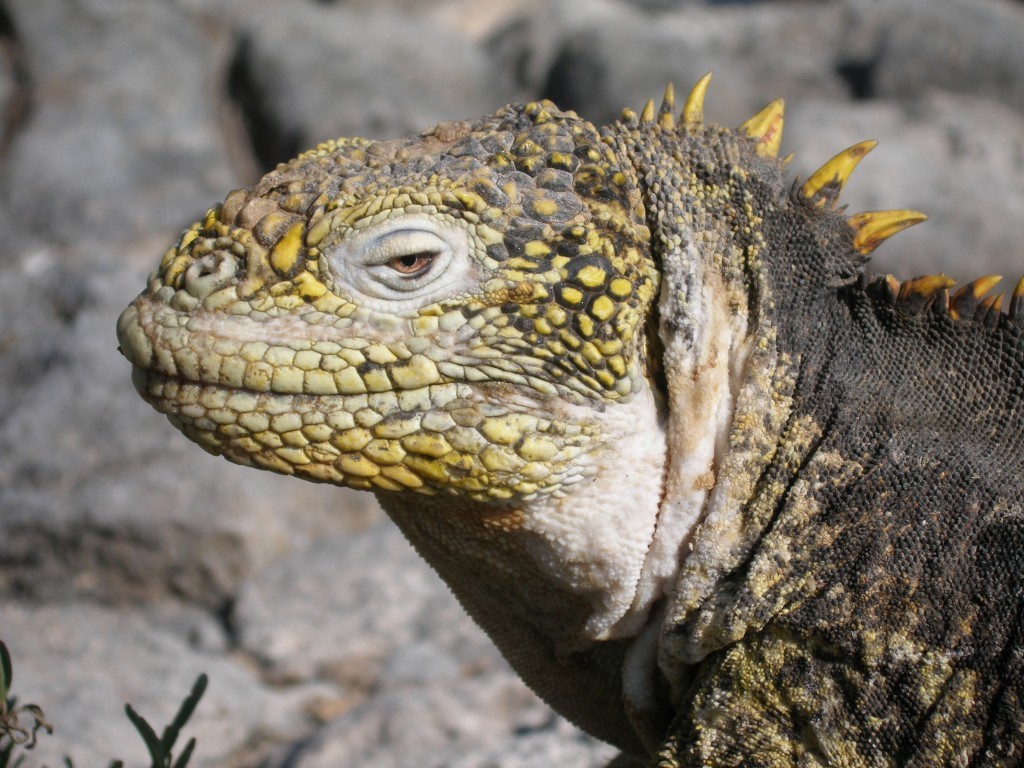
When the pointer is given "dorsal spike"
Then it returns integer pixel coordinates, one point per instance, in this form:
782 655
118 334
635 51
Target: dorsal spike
647 116
825 184
892 288
628 116
990 311
693 109
965 301
925 285
766 128
1016 311
979 287
666 114
884 287
872 228
918 293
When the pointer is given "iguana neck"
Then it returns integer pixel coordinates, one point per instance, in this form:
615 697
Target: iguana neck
727 378
553 580
715 346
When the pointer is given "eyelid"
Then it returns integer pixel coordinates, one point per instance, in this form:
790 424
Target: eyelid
403 242
358 260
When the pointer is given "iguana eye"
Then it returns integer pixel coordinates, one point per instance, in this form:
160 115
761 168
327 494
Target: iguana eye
413 264
407 260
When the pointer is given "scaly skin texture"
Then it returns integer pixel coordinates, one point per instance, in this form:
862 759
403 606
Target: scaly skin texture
720 498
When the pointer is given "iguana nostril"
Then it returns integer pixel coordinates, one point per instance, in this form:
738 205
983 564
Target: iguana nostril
210 272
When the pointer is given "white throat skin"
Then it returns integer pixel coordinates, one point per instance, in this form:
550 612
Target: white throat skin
705 353
594 541
571 560
554 581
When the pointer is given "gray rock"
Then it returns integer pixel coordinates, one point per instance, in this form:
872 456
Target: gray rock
957 158
556 743
356 73
228 13
358 609
659 6
616 56
966 46
470 18
98 494
528 43
110 149
416 677
490 720
82 663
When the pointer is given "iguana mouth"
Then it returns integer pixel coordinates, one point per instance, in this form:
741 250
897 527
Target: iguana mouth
285 355
352 414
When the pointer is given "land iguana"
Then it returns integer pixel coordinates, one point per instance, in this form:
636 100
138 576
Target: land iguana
718 496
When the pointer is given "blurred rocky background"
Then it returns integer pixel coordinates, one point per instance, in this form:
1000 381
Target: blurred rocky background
129 560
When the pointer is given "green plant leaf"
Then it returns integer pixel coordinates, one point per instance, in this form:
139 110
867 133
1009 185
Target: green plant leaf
153 744
188 706
6 672
182 761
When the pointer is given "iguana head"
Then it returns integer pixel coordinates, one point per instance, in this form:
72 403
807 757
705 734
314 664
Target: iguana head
409 315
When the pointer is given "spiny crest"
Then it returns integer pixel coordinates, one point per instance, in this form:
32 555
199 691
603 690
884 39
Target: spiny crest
1016 311
974 298
872 228
821 190
693 110
765 128
973 301
826 184
668 106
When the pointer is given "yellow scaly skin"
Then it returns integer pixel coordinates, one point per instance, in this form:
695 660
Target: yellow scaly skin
578 297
